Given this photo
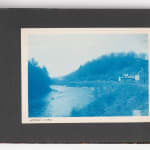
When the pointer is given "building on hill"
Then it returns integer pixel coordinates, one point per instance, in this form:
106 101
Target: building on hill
127 77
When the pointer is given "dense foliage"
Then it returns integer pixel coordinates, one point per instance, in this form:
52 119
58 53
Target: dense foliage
38 80
110 67
116 99
113 98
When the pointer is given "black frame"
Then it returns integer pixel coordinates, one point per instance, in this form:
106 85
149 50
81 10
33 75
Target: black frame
11 129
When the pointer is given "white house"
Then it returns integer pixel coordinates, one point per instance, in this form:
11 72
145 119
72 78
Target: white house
126 77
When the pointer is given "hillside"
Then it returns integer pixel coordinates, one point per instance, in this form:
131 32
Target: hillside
113 98
110 67
116 99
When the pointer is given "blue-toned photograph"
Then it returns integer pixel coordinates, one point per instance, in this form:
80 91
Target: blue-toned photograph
88 75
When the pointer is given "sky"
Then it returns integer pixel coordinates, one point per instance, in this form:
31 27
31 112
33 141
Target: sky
63 53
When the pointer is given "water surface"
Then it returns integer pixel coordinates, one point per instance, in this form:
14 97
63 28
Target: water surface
63 99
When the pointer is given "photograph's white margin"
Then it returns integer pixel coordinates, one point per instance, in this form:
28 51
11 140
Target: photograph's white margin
25 32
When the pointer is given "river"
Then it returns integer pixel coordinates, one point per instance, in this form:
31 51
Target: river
63 99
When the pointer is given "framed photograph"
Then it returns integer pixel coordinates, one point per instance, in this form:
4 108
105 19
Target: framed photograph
75 76
85 75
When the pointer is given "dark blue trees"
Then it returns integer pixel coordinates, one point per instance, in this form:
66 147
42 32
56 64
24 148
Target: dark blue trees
110 67
114 98
38 80
38 87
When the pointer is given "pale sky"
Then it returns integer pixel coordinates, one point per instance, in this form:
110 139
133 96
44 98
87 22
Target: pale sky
63 53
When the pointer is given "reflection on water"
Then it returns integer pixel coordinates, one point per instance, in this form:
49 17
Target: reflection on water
104 100
64 99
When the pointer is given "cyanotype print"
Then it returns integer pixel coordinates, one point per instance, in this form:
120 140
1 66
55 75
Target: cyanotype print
78 74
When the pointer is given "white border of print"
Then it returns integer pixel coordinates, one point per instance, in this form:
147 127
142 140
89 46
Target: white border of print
24 75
